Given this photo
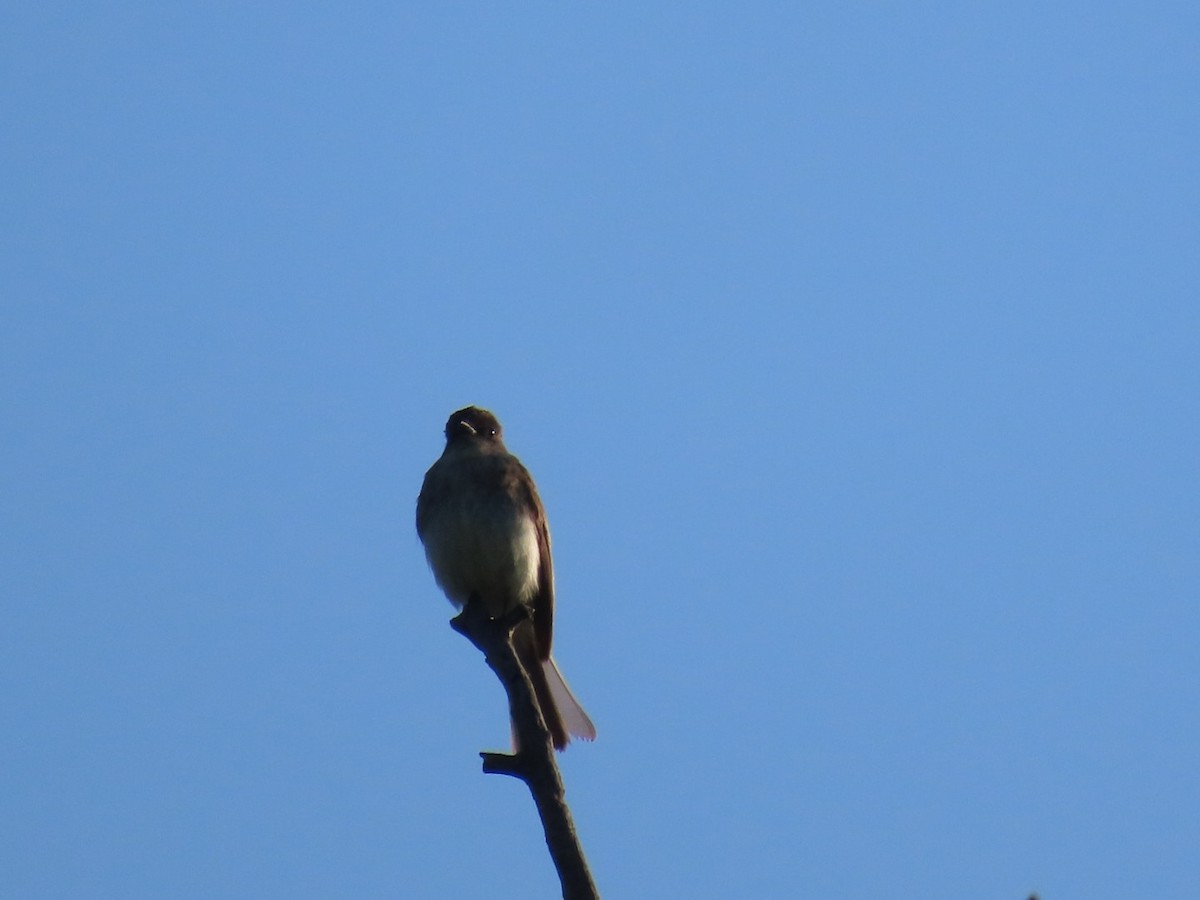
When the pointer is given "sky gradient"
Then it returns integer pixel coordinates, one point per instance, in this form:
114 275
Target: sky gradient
853 348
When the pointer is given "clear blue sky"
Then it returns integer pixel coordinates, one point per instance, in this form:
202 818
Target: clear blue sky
854 349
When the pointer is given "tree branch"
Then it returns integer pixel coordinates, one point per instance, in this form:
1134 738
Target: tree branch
534 762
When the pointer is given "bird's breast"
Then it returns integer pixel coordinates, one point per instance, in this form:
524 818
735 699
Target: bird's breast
483 545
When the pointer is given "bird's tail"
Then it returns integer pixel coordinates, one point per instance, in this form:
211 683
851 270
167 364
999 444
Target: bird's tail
564 716
574 719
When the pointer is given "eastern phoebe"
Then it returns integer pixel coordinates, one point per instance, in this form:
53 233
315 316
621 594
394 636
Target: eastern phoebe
485 534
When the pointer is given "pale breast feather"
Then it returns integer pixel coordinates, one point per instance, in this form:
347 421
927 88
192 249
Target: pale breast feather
489 548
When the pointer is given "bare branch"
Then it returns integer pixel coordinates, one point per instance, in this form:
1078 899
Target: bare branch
534 762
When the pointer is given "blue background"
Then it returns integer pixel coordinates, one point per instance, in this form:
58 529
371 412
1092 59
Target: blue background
853 347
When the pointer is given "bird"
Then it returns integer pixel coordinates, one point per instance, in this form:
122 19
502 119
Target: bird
484 530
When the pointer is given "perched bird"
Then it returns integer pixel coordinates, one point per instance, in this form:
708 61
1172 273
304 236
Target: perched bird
485 535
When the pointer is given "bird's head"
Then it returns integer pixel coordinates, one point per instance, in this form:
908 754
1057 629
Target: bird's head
472 424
